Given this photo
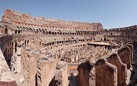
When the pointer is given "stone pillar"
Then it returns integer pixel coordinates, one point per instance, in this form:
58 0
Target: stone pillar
65 75
72 59
32 70
76 58
45 71
62 73
18 59
13 48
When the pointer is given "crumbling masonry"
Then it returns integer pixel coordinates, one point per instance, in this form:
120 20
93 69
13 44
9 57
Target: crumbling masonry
37 51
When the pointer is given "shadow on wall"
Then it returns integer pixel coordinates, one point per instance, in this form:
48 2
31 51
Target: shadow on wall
73 80
133 76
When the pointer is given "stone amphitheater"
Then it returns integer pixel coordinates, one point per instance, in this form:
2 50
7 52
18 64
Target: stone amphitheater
38 51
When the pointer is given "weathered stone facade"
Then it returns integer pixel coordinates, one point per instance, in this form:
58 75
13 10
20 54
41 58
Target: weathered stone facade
37 51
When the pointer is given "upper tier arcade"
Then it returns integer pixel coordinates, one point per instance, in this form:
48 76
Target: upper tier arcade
21 19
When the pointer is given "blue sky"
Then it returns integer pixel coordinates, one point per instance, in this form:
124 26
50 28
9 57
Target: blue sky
111 13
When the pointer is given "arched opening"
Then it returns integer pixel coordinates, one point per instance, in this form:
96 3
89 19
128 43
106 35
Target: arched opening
18 31
49 32
8 59
25 42
15 47
6 30
83 73
36 82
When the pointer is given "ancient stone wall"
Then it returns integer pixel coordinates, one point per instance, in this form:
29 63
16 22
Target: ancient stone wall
8 83
125 56
109 71
6 77
17 18
67 41
83 74
121 69
45 71
106 74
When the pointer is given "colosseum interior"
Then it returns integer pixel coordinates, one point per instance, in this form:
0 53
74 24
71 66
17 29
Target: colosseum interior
38 51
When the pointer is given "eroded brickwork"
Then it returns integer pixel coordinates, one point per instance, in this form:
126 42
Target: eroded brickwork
39 51
105 74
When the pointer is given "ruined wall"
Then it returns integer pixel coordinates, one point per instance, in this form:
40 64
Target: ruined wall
83 74
62 73
6 77
11 16
109 72
45 71
8 83
30 70
125 56
105 74
121 69
121 60
99 38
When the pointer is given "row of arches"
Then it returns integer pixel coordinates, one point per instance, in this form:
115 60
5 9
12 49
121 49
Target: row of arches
57 32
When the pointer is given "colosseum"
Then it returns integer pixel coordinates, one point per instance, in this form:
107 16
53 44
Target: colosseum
38 51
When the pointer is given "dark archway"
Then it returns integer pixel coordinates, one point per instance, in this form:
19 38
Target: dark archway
25 42
15 47
36 82
6 30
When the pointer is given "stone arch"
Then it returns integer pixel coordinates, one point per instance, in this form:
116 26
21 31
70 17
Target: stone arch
83 73
6 30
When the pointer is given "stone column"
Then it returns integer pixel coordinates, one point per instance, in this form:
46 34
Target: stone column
62 73
18 59
32 70
45 71
65 75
